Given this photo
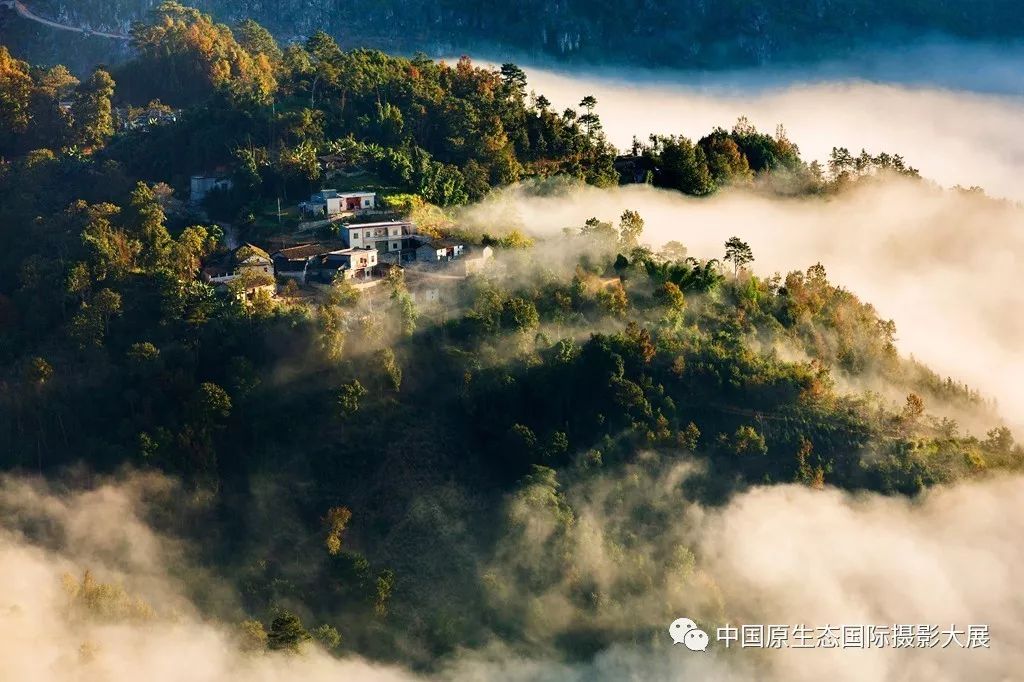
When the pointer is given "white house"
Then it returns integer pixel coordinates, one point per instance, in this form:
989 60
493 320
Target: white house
331 202
348 264
324 263
395 240
439 250
475 259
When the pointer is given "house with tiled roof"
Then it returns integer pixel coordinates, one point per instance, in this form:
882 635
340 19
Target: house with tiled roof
246 269
247 258
324 262
440 250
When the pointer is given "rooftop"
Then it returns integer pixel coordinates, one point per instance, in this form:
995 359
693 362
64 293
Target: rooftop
352 251
335 194
223 263
248 250
386 223
304 251
444 243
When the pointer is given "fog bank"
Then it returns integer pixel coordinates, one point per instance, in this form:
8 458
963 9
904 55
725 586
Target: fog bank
783 554
943 265
954 136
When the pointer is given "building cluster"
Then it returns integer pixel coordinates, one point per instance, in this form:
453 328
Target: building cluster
361 252
361 247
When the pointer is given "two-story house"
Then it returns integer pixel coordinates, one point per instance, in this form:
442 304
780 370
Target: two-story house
324 262
395 240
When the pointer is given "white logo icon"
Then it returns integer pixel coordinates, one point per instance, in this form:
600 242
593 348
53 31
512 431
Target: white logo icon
685 631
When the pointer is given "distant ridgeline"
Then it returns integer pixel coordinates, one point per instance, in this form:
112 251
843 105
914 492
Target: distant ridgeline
674 33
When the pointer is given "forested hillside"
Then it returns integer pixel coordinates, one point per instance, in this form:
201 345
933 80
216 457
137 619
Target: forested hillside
346 455
693 33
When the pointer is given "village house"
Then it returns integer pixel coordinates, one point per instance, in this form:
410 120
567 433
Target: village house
347 264
439 251
128 118
428 290
293 262
395 240
475 259
331 202
247 268
323 262
425 295
200 186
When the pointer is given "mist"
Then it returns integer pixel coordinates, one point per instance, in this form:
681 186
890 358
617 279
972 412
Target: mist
944 265
783 554
949 110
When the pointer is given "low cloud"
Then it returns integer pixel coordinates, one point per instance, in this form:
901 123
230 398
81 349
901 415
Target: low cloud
944 265
783 554
954 136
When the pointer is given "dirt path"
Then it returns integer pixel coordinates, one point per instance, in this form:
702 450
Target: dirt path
26 13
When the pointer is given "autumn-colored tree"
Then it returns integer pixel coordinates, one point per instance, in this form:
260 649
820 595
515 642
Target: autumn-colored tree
15 98
391 369
189 249
147 221
726 161
913 409
112 252
184 57
92 110
252 636
336 521
631 226
613 299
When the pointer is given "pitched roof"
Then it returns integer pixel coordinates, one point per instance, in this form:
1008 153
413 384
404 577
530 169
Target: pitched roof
475 252
303 251
386 223
443 243
248 250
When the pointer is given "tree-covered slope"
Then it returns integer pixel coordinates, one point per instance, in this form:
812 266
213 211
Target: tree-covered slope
349 457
